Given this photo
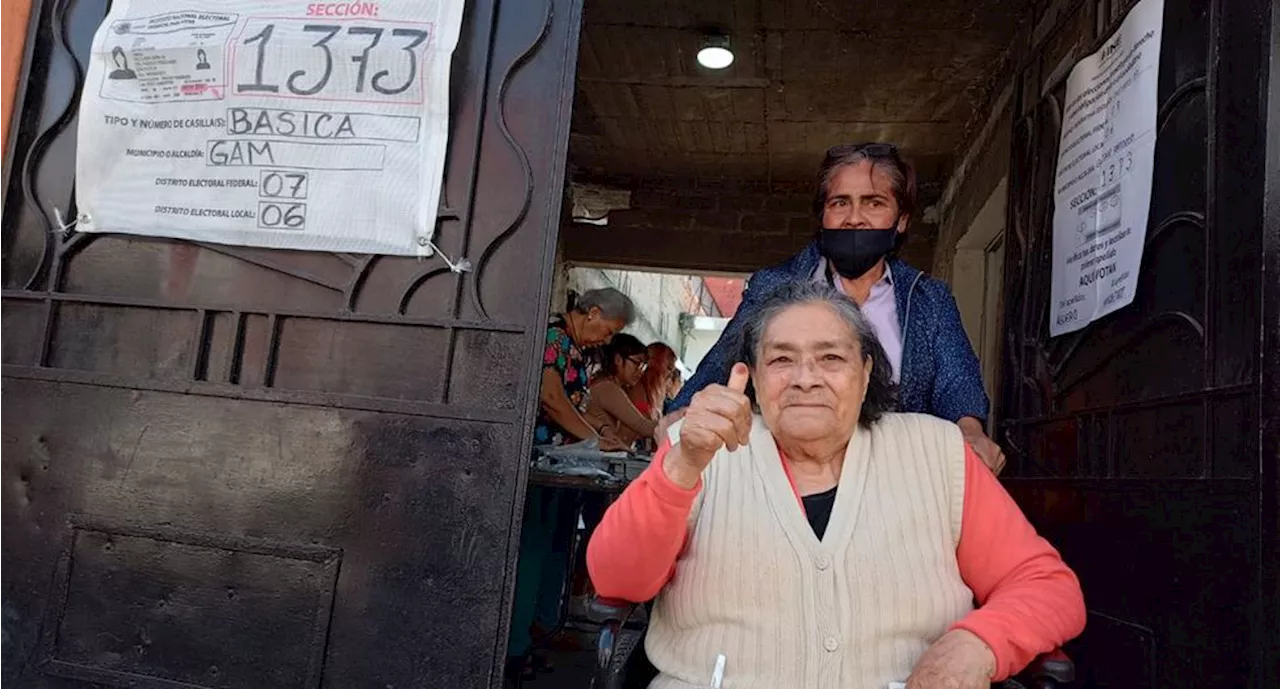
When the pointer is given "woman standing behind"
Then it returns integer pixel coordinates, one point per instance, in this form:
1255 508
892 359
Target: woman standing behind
865 199
611 410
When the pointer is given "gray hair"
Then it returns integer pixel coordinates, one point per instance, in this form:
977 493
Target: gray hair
902 175
882 394
613 305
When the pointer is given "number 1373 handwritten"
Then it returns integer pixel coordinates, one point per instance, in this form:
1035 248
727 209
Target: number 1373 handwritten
303 83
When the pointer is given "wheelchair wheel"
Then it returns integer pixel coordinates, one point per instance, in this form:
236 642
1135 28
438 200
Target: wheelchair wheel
615 676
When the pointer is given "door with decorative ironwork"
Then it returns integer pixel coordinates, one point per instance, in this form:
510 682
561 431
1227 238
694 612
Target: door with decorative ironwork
1135 442
235 467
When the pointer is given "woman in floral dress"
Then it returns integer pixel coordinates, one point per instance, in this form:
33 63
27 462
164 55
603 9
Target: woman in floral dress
550 517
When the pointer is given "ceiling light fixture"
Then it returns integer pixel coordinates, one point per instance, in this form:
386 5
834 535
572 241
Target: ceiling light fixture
715 52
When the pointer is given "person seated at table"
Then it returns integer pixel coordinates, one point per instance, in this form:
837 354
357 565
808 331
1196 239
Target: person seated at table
550 518
825 542
625 361
565 395
650 395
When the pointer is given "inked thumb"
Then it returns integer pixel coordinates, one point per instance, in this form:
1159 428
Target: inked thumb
738 377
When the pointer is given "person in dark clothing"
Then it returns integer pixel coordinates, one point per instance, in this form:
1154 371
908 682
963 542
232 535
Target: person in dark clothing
866 195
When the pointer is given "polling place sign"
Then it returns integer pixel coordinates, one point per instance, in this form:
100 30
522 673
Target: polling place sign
1102 191
282 124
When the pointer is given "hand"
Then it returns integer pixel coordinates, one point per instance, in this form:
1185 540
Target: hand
986 448
664 424
958 660
719 416
988 451
609 441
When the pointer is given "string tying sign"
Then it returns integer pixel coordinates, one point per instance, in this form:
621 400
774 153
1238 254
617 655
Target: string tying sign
292 125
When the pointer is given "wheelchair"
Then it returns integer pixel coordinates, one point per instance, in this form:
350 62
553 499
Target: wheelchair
618 666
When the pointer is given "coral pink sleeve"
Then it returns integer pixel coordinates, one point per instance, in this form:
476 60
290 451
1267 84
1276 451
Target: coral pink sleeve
632 553
1029 601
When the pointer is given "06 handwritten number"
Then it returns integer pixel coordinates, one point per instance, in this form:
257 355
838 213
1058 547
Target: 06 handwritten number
378 82
280 214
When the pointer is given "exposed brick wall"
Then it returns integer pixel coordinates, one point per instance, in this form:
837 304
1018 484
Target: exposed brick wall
710 226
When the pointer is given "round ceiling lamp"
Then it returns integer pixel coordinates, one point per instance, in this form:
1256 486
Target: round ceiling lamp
715 52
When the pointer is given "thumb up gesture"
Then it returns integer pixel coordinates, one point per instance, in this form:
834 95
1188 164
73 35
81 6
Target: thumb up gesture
718 416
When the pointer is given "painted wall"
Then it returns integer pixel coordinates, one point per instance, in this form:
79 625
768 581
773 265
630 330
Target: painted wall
660 299
700 335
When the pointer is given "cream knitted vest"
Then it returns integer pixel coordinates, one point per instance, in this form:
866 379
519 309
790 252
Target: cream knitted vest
853 611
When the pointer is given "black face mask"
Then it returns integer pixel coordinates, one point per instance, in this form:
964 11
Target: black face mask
853 252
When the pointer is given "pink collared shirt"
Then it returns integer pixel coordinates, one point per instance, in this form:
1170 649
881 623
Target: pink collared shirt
881 309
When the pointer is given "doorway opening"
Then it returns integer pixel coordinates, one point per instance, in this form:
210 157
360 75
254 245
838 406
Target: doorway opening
685 311
685 178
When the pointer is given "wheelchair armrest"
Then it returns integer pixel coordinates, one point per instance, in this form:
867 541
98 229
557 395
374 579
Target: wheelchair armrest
610 608
1053 669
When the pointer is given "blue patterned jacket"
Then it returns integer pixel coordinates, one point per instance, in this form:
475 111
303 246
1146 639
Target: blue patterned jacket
940 373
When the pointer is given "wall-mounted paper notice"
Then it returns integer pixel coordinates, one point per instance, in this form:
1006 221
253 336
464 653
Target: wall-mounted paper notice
1102 191
284 124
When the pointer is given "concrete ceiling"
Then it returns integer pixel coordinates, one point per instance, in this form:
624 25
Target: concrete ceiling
808 74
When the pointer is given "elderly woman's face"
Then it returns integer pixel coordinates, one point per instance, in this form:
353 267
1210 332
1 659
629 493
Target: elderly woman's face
810 377
598 330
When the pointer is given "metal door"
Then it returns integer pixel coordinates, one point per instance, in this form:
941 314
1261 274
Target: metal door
1139 444
231 467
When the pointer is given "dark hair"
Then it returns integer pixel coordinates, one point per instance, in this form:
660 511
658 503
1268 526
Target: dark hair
623 345
883 156
882 394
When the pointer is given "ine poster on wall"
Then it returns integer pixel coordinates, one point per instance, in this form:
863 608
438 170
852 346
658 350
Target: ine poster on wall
1102 190
282 124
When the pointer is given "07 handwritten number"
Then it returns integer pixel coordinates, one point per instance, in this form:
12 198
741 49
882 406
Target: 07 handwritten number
260 85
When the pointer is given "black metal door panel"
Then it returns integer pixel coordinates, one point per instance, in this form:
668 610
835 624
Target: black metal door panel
232 467
1135 442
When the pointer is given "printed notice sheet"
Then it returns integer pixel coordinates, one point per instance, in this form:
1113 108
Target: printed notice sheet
282 124
1102 191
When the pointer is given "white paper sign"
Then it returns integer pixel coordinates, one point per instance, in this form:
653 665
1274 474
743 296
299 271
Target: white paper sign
283 124
1102 191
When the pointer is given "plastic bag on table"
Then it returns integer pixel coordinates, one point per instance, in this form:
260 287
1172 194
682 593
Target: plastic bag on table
582 458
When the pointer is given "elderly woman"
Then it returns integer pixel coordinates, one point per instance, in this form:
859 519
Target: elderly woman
566 388
550 518
825 542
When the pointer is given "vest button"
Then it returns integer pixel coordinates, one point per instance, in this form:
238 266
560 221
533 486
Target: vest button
823 562
831 643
